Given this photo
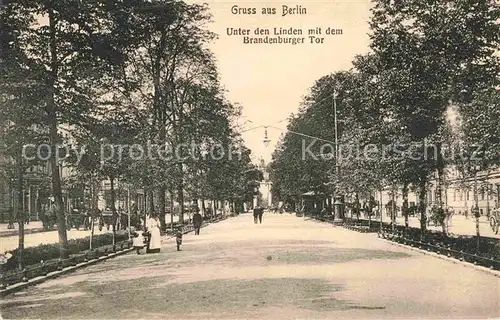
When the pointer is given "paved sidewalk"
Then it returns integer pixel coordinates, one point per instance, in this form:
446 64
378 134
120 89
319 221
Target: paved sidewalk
48 237
284 268
32 227
37 226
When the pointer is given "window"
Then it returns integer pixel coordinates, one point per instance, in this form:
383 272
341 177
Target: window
468 193
482 193
460 195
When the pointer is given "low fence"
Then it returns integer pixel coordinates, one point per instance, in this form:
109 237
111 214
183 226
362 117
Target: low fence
43 268
484 251
451 249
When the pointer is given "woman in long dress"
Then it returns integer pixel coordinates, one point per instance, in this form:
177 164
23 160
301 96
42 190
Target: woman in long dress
154 230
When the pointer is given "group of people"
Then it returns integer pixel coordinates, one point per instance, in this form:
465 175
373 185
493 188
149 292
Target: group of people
150 237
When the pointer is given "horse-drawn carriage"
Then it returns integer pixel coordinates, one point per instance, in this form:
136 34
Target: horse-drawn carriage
49 220
135 220
106 218
77 219
74 219
120 219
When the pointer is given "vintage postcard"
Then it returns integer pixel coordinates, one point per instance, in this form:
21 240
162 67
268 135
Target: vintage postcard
244 159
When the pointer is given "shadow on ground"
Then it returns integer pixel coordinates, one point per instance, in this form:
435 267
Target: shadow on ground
134 298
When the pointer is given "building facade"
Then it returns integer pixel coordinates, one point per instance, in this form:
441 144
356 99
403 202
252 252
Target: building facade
458 193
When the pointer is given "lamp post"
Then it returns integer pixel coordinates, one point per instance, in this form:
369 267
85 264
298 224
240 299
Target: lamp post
339 214
337 167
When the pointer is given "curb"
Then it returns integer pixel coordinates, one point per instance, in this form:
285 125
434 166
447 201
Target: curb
23 285
439 256
34 281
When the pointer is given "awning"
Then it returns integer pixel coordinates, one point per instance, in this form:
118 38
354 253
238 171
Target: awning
312 193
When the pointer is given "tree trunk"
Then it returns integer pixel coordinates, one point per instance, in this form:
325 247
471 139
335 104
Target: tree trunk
94 201
180 198
487 192
203 207
216 211
171 209
91 234
440 174
113 208
370 210
465 191
380 210
393 210
405 205
369 220
20 215
162 204
475 212
151 201
12 216
145 207
54 140
422 207
358 207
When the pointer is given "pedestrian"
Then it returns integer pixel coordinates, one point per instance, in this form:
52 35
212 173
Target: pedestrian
261 212
197 220
51 215
178 238
154 232
255 215
138 241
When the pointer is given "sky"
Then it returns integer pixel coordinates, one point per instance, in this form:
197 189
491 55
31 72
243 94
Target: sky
269 80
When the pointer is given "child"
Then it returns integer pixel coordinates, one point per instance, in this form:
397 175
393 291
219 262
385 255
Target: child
178 238
138 241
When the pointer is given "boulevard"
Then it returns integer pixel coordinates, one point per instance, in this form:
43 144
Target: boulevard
287 268
459 225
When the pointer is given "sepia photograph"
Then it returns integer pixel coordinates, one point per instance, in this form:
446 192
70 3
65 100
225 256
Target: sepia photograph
249 159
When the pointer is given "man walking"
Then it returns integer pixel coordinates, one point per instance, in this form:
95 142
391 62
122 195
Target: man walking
260 212
197 220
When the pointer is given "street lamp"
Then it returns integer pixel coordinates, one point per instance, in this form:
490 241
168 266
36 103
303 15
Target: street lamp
339 213
266 139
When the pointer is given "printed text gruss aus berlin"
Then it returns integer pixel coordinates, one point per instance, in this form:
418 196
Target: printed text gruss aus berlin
285 10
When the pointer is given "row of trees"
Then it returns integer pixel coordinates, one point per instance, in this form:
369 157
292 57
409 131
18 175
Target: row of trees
117 78
428 60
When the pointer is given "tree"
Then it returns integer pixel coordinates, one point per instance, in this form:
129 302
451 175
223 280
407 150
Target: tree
68 50
426 51
306 153
20 116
